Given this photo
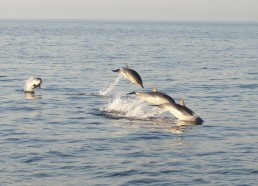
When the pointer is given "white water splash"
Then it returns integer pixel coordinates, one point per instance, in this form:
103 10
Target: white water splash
109 88
120 106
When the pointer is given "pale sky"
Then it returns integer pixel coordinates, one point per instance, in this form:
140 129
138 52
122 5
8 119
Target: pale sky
213 10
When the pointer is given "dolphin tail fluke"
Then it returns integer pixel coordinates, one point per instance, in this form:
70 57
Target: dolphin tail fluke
131 93
199 121
117 70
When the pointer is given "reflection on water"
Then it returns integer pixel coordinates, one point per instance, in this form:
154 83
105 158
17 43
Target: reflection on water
174 125
180 129
31 96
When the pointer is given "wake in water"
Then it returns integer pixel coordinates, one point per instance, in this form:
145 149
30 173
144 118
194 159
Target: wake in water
123 107
120 106
105 91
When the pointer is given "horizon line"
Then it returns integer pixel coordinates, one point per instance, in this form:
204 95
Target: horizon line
133 20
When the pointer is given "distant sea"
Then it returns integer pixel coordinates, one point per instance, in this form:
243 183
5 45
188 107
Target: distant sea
80 128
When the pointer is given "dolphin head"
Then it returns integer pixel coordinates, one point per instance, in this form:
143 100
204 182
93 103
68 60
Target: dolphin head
31 84
37 83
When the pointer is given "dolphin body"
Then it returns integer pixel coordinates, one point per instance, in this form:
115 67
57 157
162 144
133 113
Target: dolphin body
154 97
130 74
181 112
31 84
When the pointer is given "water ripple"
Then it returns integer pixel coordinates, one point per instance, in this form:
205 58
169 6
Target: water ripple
81 129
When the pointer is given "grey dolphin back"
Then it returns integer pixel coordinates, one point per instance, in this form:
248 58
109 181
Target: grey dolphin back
137 77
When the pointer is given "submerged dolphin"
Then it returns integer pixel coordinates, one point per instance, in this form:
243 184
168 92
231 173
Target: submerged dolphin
181 112
130 74
154 97
31 84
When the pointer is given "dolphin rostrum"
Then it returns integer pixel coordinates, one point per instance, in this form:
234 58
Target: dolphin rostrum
130 74
181 112
154 97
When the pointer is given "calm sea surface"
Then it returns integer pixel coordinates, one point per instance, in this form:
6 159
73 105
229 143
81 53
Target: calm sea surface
81 129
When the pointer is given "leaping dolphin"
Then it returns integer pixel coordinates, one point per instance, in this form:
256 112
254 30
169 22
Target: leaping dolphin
154 97
181 112
130 74
31 84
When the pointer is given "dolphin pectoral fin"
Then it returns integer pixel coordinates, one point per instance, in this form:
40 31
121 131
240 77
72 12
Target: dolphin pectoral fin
142 86
40 86
131 93
160 106
117 70
154 105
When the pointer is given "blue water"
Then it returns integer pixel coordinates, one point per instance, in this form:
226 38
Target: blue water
81 129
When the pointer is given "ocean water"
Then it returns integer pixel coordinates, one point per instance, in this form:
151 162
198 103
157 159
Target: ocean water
80 128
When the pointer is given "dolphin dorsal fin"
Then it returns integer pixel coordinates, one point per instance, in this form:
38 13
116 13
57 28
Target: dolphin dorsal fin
126 65
154 89
181 102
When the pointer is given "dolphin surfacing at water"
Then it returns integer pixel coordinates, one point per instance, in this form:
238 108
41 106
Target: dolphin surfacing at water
181 112
31 84
154 97
131 75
